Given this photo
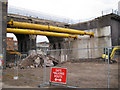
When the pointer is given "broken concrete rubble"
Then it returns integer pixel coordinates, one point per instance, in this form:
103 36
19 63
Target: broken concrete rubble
37 60
32 52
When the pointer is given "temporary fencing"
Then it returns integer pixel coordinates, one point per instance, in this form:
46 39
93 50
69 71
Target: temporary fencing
86 68
21 70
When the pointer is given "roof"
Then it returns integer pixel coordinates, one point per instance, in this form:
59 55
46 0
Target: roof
43 42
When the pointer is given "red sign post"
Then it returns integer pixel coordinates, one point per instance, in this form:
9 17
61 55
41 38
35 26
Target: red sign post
58 75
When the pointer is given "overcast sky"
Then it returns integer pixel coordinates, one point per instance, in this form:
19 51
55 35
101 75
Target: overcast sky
73 9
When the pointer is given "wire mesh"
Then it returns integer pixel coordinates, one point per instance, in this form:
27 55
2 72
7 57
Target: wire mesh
87 68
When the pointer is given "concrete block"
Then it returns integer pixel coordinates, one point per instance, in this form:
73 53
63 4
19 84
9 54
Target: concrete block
105 31
97 41
101 32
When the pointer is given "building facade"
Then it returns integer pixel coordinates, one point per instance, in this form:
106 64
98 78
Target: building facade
42 46
11 44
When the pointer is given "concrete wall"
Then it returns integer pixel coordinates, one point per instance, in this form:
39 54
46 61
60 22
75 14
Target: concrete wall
115 28
83 48
112 20
102 38
106 29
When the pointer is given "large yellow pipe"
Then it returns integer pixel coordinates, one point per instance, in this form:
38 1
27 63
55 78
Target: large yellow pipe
46 27
35 32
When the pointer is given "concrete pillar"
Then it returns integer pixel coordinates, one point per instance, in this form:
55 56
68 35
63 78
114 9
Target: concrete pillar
119 44
3 26
32 42
26 42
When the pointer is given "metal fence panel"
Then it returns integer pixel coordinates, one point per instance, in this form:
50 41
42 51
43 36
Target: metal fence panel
87 68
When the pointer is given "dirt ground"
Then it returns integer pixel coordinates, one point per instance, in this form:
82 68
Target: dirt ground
80 74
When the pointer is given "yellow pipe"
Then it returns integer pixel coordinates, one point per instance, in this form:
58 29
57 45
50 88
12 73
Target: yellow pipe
35 32
47 28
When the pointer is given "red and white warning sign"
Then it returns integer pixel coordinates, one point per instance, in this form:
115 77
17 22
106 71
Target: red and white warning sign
1 60
58 75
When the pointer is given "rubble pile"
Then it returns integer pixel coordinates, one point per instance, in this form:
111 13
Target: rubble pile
54 61
10 65
37 60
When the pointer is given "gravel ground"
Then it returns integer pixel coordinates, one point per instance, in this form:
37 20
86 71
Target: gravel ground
80 74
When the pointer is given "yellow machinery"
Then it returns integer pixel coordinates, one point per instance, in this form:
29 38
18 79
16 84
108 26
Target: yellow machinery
13 52
35 32
12 57
14 24
112 53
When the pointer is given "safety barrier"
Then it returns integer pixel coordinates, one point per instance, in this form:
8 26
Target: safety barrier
86 68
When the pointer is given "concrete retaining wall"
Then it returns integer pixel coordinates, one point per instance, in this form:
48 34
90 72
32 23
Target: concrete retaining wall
84 47
102 38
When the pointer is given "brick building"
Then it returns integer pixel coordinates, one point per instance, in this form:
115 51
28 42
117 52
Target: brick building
11 44
42 45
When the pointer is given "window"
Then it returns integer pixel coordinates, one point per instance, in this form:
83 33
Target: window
15 44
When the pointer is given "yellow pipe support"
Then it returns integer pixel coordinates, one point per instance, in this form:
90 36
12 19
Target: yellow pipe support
35 32
47 28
